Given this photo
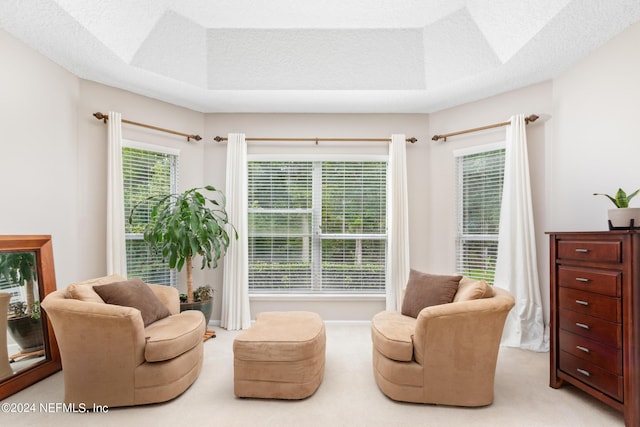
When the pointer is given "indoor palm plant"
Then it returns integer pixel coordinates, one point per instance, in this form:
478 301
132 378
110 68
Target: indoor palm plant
187 224
622 216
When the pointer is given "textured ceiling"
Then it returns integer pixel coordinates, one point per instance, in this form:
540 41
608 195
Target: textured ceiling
316 56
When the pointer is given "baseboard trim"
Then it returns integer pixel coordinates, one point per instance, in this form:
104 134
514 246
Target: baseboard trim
327 322
348 322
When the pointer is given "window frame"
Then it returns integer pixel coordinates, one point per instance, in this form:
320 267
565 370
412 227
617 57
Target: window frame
315 288
461 236
174 181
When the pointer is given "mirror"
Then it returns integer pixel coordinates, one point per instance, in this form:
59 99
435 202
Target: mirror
28 349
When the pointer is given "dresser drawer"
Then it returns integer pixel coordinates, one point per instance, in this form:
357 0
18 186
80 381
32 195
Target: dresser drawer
604 356
604 282
601 306
587 250
591 374
607 333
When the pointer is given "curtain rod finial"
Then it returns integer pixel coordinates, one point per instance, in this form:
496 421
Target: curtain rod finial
218 139
100 116
412 140
532 118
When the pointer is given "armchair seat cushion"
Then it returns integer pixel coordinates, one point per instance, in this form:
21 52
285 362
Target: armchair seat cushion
392 335
174 335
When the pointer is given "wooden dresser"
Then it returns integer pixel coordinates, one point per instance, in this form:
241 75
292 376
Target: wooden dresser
595 315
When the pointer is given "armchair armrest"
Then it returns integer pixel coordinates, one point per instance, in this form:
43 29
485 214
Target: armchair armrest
114 337
464 337
473 325
105 329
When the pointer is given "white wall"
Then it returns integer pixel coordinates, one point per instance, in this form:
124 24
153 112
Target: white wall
53 157
596 134
38 155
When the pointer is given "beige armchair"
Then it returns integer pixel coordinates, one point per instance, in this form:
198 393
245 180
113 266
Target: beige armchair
110 358
447 355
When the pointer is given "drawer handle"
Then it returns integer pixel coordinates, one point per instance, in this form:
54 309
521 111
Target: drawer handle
582 279
582 325
583 372
581 348
582 251
582 302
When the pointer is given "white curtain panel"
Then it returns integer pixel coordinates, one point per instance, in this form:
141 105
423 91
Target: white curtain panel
116 244
235 288
516 266
397 223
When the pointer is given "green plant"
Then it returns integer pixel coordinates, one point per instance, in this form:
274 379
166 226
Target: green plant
19 268
19 309
621 200
184 225
202 293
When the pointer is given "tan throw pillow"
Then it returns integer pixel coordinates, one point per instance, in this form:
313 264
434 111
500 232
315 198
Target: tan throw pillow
424 290
83 291
490 293
137 294
470 289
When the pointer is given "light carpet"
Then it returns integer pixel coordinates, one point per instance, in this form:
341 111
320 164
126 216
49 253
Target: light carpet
348 396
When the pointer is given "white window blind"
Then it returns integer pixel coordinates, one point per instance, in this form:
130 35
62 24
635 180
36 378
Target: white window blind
17 291
317 226
146 173
480 176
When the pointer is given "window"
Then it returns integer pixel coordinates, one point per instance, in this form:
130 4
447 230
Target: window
317 226
479 190
18 292
147 170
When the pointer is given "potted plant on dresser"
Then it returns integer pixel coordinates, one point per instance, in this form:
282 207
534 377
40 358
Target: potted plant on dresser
622 217
184 225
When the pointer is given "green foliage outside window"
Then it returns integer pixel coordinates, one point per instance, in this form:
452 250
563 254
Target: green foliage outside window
145 173
350 234
480 182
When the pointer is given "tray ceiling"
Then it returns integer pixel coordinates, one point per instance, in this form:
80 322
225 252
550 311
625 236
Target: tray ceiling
317 56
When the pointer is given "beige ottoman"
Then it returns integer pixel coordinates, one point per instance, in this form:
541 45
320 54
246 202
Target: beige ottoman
281 356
